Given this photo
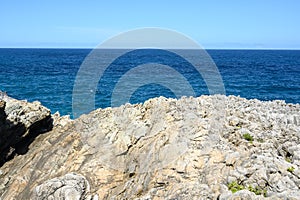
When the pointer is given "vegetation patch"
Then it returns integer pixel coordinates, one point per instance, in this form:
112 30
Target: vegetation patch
258 190
234 187
291 169
288 160
248 137
260 140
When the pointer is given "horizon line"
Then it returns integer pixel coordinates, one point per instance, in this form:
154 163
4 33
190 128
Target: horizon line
225 48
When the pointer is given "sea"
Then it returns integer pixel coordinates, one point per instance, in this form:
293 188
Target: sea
48 75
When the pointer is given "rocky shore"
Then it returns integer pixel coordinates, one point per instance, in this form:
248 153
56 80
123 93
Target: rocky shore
210 147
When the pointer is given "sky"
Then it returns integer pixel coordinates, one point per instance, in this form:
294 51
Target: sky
214 24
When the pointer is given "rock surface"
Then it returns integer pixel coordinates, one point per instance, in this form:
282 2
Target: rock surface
20 123
70 186
192 148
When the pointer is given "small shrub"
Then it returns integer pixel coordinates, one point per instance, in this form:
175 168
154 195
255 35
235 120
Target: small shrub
234 187
248 137
291 169
258 191
288 160
260 140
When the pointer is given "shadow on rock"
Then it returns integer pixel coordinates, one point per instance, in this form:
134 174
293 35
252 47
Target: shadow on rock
20 123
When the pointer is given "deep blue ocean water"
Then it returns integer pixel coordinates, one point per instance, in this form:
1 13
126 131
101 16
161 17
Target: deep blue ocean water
48 75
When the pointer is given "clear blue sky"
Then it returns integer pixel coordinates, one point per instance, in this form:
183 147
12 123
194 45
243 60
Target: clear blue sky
212 23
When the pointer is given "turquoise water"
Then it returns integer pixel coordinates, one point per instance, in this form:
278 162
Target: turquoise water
48 75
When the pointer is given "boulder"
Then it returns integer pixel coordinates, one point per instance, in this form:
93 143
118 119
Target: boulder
71 186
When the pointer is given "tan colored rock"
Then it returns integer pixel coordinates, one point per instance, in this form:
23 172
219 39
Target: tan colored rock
163 149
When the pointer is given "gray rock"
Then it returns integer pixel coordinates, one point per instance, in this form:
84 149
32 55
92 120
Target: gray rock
240 195
232 158
71 186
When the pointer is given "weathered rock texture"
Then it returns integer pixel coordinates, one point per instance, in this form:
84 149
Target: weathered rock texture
70 186
20 123
192 148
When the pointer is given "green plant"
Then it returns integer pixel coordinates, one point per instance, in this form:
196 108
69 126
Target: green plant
248 137
260 140
257 190
291 169
234 187
288 160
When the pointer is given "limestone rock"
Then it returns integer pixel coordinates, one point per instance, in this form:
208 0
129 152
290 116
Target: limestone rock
71 186
20 123
192 148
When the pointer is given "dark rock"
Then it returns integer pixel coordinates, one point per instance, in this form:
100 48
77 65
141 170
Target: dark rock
20 123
